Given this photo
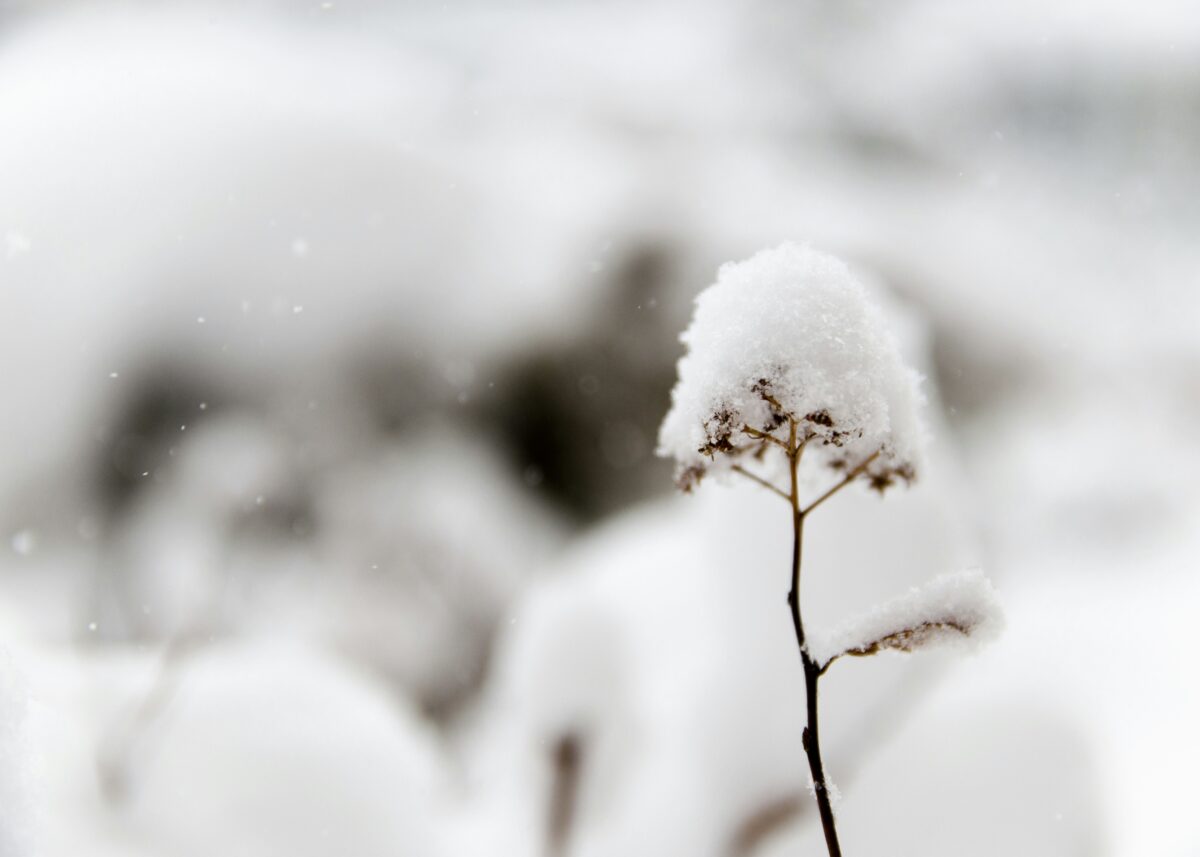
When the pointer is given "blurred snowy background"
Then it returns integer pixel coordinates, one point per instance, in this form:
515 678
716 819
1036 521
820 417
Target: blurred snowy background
334 340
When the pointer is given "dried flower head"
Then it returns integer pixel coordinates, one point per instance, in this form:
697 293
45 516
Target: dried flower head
790 338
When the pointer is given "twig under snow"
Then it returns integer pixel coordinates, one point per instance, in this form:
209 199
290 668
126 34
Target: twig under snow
957 608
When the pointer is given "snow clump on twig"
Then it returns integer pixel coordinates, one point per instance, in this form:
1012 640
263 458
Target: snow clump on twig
790 336
956 609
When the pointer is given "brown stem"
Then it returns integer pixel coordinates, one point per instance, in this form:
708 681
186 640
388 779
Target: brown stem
812 671
758 434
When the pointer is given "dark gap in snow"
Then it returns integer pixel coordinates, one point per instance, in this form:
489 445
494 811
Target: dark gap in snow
137 443
584 416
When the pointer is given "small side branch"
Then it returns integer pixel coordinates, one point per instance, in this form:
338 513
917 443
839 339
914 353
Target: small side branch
902 640
849 477
737 468
757 434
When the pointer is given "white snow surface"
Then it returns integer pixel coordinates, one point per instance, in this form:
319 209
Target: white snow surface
14 807
956 609
798 320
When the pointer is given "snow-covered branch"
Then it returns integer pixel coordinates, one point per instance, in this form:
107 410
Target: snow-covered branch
960 609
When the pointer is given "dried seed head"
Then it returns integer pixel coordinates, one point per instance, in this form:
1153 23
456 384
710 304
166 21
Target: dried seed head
790 337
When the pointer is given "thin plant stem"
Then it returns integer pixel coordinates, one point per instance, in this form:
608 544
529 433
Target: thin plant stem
737 468
766 437
812 670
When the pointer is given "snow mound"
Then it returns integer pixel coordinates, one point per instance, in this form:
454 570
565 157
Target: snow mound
14 809
790 333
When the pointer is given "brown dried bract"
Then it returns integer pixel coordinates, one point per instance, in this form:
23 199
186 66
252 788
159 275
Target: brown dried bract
819 418
718 431
688 478
908 639
765 390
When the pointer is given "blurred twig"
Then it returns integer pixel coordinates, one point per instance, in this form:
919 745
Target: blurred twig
567 761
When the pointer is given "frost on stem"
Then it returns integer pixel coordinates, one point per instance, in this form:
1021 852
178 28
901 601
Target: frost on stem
835 793
790 335
958 609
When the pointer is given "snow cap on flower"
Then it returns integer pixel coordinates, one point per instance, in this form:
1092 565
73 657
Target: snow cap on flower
789 335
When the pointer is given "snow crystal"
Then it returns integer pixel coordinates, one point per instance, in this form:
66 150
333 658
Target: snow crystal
957 608
786 333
